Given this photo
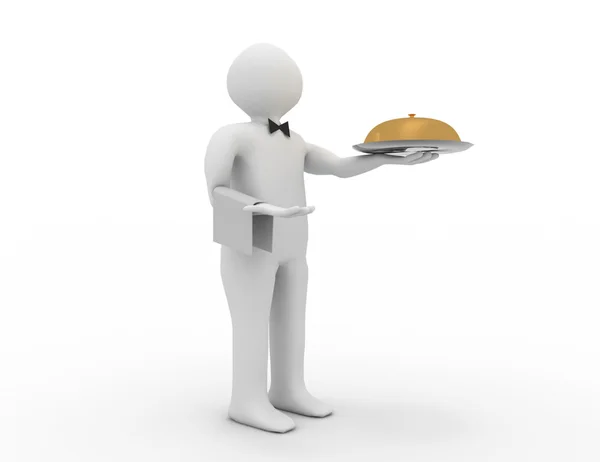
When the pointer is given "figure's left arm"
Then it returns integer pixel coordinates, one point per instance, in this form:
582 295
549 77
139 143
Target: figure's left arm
320 161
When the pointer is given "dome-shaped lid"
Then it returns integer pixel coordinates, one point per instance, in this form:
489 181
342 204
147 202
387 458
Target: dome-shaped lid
412 128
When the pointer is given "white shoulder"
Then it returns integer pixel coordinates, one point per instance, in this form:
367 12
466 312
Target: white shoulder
298 137
227 133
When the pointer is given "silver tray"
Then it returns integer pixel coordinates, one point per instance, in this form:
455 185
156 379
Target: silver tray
406 147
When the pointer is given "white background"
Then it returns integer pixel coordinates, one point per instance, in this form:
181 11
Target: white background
453 306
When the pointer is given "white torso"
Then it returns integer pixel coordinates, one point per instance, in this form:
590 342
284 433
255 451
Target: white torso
270 167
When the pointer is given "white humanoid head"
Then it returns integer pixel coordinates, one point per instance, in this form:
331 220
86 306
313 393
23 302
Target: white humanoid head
264 82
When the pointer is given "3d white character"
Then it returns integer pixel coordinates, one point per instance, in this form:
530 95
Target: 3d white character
256 170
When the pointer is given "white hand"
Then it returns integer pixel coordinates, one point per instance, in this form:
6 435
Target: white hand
412 159
276 211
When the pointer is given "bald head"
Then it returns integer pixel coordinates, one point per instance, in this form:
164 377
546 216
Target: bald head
264 82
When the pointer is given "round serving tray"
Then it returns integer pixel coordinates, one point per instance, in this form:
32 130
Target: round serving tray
406 147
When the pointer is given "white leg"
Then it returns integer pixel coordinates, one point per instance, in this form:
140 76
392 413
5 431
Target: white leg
287 326
248 283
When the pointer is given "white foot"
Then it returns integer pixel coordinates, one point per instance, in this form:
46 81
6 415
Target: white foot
264 417
299 402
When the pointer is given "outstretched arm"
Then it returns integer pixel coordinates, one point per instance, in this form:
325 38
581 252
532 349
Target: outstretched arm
320 161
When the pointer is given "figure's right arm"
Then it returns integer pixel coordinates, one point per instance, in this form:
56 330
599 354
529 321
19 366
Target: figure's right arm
218 164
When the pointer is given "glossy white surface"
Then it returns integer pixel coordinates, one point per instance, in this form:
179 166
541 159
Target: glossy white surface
465 326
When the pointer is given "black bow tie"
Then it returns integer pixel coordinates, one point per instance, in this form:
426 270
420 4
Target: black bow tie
285 128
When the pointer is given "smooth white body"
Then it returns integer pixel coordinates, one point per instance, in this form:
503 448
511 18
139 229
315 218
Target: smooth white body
266 291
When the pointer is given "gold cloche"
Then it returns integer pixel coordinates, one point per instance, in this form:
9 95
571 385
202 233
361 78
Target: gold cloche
412 128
